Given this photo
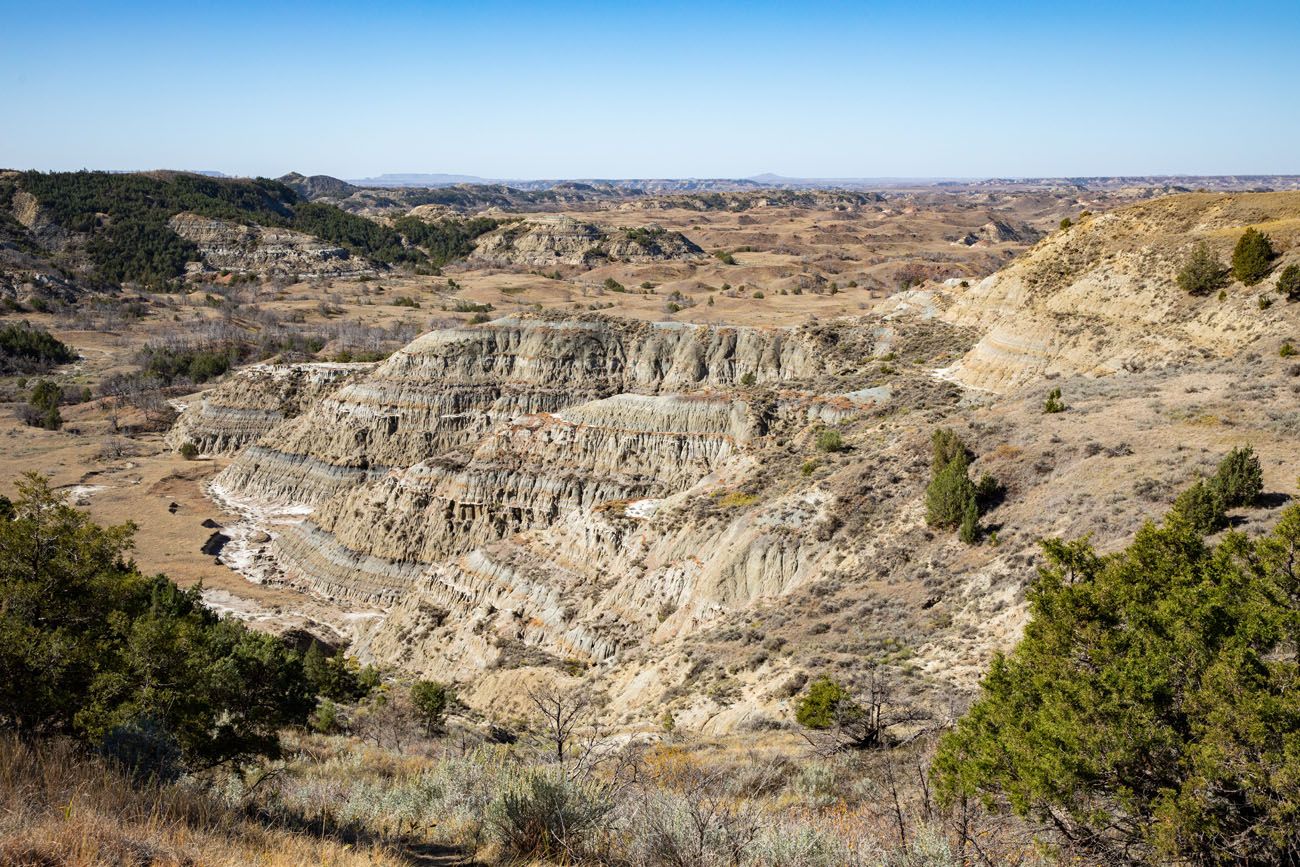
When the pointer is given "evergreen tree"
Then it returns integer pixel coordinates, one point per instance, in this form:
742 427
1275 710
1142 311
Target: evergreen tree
1288 282
1202 272
1239 480
1150 713
1252 258
1202 506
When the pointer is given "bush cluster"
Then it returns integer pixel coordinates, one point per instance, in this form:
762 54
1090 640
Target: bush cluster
125 660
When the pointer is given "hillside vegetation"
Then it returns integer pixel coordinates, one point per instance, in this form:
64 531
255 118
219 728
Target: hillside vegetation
124 218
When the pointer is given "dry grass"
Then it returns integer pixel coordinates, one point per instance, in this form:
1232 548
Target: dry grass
59 807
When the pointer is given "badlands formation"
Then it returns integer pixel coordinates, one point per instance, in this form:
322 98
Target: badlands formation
656 510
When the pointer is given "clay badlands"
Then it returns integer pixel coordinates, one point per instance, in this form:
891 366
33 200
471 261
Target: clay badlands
593 450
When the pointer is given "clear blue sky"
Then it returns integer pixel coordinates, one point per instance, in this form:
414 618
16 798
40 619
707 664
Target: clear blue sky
662 89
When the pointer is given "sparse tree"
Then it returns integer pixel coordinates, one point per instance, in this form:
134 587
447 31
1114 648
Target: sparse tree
1202 272
1288 282
1252 258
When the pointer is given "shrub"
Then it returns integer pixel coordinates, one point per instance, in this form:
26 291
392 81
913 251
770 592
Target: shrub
42 408
27 349
969 531
1252 258
431 701
189 450
821 706
1202 507
948 495
612 285
748 378
113 647
545 815
725 258
1202 272
1239 479
1054 404
1066 223
759 295
830 441
1152 688
946 447
1288 282
1287 349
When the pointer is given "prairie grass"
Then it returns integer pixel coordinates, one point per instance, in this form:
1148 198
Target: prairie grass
59 806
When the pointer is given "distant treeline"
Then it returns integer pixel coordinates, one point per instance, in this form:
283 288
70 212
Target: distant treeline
126 216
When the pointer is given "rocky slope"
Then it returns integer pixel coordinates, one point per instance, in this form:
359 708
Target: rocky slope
652 510
1101 297
242 409
227 246
548 241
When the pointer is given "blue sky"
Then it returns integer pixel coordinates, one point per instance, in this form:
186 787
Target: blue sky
665 89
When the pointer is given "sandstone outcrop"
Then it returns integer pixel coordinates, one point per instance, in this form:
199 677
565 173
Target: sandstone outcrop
228 246
254 400
521 483
1100 298
548 241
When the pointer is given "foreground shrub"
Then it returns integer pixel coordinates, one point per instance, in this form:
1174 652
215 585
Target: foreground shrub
91 647
1150 713
546 815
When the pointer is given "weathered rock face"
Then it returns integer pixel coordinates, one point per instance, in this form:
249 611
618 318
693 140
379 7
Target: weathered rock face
253 401
1100 297
550 241
501 485
228 246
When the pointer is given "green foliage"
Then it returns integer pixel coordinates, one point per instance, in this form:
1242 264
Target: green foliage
830 440
1239 480
1054 404
969 531
1202 507
337 676
822 705
725 258
1288 282
91 647
431 701
1066 223
949 495
1252 258
1150 712
188 450
195 363
126 217
1287 349
612 285
25 348
1202 272
946 447
748 378
42 408
445 240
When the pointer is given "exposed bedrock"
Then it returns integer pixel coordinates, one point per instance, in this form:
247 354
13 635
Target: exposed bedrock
449 388
253 401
